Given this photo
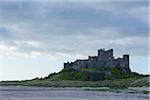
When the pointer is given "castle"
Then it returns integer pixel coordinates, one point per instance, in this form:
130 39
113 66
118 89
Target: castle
104 58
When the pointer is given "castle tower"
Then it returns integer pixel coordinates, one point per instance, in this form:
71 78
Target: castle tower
105 55
126 60
126 63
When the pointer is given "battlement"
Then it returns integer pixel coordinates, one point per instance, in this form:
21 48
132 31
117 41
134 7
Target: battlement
103 51
104 58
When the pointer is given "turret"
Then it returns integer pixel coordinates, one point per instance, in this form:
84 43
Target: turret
126 60
125 64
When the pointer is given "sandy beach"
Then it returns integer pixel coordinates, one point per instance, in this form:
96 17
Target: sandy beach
42 93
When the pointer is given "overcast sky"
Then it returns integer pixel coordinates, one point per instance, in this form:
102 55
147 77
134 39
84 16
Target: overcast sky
38 37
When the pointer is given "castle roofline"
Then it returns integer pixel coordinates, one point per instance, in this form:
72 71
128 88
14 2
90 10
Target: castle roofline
82 60
92 56
105 50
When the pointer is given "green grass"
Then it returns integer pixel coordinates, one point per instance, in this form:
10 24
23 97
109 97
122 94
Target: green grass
73 78
86 74
103 83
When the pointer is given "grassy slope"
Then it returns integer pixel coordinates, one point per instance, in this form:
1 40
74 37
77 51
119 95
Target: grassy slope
129 82
73 78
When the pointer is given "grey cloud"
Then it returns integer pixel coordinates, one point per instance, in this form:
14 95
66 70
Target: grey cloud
74 29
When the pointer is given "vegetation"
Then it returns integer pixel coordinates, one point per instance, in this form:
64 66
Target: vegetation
129 82
111 77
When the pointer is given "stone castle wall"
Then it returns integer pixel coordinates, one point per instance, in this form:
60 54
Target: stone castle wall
103 59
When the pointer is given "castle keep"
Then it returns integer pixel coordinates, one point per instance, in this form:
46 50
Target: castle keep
104 58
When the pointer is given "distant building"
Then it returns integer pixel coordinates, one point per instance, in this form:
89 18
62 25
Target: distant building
103 59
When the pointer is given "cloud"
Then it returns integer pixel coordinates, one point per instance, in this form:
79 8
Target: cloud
79 28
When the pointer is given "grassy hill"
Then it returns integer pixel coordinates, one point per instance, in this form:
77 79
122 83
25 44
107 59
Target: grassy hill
92 74
95 77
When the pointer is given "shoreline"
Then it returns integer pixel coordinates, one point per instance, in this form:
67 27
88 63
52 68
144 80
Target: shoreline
127 90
